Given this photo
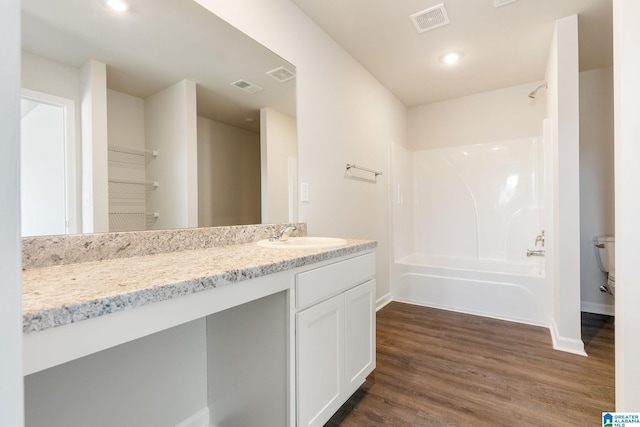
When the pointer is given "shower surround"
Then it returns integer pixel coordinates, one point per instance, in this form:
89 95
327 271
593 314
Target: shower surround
464 218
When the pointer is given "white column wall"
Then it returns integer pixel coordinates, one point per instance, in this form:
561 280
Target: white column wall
564 235
347 118
171 128
11 389
626 59
277 146
95 180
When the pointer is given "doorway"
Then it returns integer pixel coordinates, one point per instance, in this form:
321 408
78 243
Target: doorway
47 159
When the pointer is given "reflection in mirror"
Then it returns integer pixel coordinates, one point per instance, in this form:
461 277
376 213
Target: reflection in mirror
180 119
46 153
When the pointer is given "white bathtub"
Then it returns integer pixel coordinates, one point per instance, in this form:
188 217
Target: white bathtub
510 291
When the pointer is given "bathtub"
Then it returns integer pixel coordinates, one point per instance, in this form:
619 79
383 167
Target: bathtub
510 291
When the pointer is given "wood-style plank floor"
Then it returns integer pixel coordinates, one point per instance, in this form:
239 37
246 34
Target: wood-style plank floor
440 368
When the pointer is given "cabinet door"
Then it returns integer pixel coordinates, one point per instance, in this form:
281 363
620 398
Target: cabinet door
320 361
360 334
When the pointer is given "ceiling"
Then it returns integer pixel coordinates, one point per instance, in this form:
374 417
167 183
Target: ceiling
158 43
502 47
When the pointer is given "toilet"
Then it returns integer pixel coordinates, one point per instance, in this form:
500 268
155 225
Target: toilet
606 257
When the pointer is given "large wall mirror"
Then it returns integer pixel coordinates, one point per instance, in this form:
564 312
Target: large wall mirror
161 116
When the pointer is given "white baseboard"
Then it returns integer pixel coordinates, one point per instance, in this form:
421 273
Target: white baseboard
471 312
597 308
560 343
383 300
568 345
199 419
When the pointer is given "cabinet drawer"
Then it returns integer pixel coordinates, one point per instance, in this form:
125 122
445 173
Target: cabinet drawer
315 285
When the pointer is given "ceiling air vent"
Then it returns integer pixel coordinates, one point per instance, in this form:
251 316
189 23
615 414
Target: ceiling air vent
246 86
431 18
281 74
498 3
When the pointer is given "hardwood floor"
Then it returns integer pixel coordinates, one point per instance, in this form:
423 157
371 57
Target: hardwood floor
440 368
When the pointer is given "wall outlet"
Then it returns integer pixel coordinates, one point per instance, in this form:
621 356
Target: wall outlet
304 192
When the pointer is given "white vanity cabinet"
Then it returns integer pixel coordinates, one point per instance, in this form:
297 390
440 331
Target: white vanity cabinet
197 345
335 335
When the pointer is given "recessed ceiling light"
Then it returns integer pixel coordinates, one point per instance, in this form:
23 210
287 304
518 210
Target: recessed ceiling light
451 58
118 5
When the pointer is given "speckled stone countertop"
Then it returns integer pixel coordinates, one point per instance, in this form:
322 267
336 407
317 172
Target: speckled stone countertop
45 251
61 294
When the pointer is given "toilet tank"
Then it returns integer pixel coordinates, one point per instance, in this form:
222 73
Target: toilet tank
605 252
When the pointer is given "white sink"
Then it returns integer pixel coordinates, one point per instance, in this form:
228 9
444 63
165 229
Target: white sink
304 243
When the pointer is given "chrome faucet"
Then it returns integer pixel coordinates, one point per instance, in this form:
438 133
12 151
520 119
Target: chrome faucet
540 239
535 252
282 235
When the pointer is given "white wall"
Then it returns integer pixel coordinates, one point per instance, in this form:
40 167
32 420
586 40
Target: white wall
126 129
344 116
596 183
277 150
402 201
171 128
626 59
54 78
490 116
95 184
247 390
158 380
564 235
126 120
42 167
11 398
44 75
228 175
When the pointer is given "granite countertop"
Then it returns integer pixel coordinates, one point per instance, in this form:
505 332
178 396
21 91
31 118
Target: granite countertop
63 294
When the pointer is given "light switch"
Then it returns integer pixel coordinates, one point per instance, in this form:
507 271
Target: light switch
304 192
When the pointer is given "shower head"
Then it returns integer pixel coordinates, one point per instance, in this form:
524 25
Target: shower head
534 92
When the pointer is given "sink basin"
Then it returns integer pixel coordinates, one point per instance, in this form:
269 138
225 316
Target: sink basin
304 243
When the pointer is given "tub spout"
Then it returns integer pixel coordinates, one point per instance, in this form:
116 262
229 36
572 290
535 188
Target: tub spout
535 252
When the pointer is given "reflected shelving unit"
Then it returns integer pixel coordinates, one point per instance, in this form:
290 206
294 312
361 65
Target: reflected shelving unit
129 157
128 192
132 221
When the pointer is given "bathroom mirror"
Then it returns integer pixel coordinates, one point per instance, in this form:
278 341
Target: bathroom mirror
177 119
